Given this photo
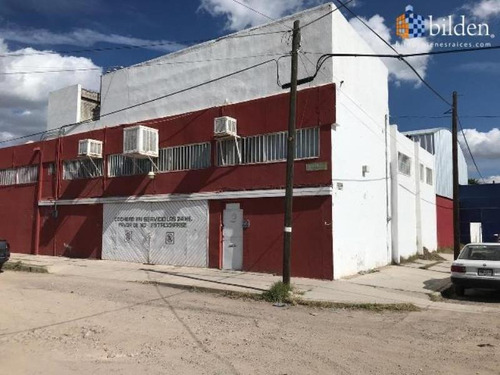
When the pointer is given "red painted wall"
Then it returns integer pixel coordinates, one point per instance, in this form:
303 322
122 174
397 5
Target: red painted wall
17 220
76 232
316 107
444 212
312 243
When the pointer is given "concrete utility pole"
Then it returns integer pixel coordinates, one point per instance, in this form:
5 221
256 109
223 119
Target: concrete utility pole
456 201
287 234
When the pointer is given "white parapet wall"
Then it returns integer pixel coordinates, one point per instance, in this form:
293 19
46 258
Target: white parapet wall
64 107
361 233
177 83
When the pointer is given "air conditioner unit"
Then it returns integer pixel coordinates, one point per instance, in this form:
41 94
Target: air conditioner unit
89 148
225 127
140 142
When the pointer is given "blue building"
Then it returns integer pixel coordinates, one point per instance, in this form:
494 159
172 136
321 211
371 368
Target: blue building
479 213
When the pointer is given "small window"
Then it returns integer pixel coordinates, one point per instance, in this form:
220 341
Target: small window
170 159
422 173
120 165
82 168
27 175
21 175
429 178
266 148
187 157
404 164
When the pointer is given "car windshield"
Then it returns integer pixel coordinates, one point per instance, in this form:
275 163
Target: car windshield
3 245
480 252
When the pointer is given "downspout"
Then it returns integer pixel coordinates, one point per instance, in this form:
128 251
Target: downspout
38 199
418 204
387 194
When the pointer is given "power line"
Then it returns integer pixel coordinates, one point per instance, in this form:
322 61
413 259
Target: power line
183 43
402 58
254 10
468 148
147 101
326 14
144 64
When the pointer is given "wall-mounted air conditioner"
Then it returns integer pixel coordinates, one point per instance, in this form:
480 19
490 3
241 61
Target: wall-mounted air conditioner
89 148
140 142
225 127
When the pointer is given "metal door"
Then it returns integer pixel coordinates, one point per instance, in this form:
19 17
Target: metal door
172 233
124 238
476 232
232 237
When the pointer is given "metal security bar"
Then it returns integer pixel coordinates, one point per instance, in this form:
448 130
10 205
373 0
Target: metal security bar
187 157
266 148
177 158
8 177
27 175
21 175
82 168
404 164
121 165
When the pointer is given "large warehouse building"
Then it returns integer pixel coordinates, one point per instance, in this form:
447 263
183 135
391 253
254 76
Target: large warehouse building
184 163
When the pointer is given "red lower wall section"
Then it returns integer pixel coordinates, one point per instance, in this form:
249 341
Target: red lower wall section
17 217
444 212
312 244
76 232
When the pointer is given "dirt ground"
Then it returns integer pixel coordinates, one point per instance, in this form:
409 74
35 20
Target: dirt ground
73 325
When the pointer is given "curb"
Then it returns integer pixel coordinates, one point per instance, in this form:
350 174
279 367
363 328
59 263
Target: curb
24 267
374 307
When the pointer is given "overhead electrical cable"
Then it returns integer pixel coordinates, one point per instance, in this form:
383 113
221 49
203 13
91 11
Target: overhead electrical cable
147 101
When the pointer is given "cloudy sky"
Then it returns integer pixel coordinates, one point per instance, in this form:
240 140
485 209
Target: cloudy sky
45 45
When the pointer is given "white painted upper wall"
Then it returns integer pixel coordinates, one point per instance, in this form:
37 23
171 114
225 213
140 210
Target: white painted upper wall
169 75
361 236
64 107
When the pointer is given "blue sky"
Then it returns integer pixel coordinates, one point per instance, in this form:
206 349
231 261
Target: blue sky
28 26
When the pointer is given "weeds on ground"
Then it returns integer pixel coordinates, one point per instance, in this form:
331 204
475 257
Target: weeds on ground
279 292
427 255
24 267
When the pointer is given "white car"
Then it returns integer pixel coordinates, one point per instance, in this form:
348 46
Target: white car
477 266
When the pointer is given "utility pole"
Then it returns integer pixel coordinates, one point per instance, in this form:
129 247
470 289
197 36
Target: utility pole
456 201
290 158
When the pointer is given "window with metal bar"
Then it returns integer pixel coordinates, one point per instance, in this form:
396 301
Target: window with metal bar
266 148
82 168
186 157
177 158
21 175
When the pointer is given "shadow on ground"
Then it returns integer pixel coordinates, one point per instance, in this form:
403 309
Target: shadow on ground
472 295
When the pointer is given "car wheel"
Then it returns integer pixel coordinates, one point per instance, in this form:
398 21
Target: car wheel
459 290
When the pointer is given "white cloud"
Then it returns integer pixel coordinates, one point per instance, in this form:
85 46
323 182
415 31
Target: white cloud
483 145
23 97
398 70
484 9
240 17
492 179
82 38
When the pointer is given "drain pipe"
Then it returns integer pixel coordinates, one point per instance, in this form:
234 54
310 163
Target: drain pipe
38 199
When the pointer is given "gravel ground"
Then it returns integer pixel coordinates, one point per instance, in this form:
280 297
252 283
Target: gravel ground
73 325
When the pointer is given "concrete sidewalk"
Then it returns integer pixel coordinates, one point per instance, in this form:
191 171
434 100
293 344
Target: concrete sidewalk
410 283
